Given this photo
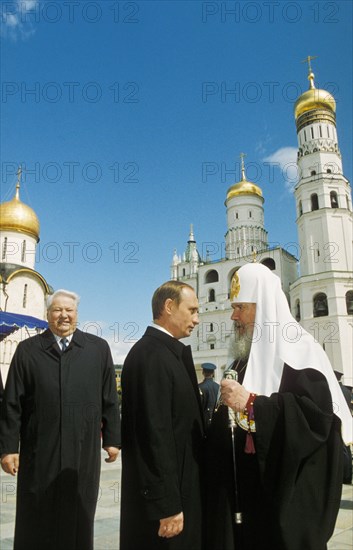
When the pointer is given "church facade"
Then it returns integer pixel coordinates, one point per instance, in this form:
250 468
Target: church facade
23 289
318 285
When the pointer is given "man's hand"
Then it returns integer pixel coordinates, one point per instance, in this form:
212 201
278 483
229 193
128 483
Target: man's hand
234 395
113 453
10 463
172 526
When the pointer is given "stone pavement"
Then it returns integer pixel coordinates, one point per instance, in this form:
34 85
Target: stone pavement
107 515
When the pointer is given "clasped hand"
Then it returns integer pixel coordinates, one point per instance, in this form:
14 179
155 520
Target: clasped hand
234 395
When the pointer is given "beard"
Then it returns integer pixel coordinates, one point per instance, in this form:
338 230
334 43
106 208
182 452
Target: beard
240 345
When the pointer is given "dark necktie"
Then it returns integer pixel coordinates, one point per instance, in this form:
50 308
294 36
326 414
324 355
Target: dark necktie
64 343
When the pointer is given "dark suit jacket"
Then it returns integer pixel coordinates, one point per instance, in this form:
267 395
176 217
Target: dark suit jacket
56 405
162 436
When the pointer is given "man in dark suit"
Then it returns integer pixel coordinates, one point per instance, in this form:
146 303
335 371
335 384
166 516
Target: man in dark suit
59 398
162 430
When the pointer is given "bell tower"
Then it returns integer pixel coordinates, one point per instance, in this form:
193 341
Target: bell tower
322 297
245 218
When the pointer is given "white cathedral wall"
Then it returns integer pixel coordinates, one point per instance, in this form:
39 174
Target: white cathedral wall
14 248
35 301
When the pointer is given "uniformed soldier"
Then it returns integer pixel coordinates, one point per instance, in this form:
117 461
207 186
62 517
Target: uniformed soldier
208 390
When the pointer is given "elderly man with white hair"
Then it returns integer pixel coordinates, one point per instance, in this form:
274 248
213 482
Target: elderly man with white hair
60 406
274 452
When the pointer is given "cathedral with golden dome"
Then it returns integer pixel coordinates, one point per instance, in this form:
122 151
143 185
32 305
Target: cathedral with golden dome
23 289
319 284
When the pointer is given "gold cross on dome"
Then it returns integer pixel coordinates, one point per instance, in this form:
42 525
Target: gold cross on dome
308 61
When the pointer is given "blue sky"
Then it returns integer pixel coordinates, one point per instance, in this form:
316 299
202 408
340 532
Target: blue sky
129 117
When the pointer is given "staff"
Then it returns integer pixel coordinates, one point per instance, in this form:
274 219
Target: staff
238 516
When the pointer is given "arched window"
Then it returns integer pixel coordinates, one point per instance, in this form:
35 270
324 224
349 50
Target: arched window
211 295
270 263
320 307
211 276
329 171
297 310
24 302
334 199
4 249
349 302
23 253
300 208
314 202
313 173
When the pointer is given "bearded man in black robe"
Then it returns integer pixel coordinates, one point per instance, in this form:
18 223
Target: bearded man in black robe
274 449
60 397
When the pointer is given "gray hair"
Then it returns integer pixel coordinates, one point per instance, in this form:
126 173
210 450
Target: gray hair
62 292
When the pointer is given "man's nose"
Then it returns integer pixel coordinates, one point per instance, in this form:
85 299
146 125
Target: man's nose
235 315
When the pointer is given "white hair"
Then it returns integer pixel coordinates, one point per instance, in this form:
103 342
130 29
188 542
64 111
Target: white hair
62 292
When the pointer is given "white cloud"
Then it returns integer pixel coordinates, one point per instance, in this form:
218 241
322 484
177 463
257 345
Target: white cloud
285 159
119 350
15 19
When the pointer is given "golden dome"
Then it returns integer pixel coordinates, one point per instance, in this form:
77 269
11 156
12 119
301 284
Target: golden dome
17 216
314 98
243 187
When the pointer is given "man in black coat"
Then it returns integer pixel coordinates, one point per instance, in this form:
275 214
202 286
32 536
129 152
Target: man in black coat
59 398
162 430
274 445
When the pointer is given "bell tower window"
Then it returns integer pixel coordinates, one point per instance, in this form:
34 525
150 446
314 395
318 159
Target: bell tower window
349 302
314 202
297 310
334 199
320 305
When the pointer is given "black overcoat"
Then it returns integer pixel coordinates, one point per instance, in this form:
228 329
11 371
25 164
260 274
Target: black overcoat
56 405
289 491
162 438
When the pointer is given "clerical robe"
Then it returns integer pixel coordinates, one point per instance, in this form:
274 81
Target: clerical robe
289 491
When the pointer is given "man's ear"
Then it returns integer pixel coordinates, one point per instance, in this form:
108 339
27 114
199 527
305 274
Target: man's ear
168 306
